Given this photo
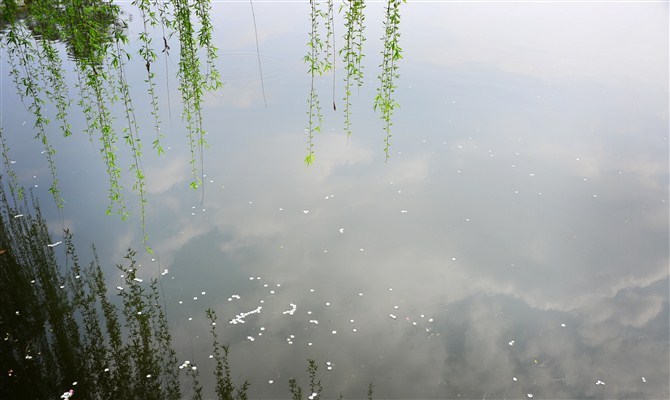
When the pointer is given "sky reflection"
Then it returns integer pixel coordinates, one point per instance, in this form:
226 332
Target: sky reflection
516 242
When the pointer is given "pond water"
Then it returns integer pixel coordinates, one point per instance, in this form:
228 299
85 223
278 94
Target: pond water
514 245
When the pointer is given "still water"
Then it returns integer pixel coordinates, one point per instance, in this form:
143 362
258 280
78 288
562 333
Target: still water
515 245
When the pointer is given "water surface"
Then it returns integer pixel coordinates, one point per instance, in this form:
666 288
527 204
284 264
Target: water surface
514 245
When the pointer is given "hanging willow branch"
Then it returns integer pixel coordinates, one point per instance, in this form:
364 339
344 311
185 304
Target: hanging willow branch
352 53
315 45
189 84
258 52
131 131
146 51
391 54
319 62
26 71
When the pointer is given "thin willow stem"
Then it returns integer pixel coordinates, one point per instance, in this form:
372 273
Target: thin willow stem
258 52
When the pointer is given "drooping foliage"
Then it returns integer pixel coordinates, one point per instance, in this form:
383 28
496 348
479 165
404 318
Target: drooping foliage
352 53
38 35
385 102
319 61
95 38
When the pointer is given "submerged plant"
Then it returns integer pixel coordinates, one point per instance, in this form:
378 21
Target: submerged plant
391 54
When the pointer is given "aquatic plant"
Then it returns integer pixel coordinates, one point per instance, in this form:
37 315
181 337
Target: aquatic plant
384 101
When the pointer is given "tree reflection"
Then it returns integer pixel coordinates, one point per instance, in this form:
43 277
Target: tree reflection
62 331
